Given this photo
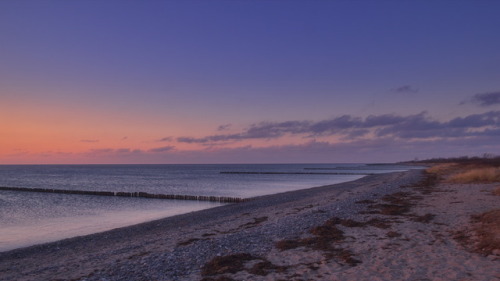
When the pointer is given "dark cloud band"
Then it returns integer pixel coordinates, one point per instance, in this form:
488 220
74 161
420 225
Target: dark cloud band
416 126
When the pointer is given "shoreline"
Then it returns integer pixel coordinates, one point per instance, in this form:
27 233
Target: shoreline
33 241
189 216
178 223
181 247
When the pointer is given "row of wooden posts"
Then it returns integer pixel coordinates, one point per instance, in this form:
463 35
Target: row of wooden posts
222 199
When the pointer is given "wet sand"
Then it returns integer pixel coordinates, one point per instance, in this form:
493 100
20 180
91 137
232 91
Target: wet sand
380 227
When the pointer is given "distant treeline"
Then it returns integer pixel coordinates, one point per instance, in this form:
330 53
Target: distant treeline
486 159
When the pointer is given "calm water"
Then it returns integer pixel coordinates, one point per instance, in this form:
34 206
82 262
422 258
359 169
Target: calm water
32 218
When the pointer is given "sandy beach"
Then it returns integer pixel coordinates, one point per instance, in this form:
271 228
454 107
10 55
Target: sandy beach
398 226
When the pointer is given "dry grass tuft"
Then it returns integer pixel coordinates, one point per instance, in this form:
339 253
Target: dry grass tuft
427 184
442 169
365 202
352 223
424 219
325 236
236 263
496 191
346 256
284 245
380 223
221 278
389 209
226 264
265 267
488 231
484 235
467 172
477 175
393 234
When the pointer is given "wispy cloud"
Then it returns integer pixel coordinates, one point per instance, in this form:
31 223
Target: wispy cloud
484 99
224 127
89 141
360 150
166 139
421 126
162 149
405 89
101 150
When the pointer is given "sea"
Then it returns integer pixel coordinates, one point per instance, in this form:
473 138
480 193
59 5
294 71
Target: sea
30 218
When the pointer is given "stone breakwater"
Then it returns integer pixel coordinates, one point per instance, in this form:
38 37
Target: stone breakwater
221 199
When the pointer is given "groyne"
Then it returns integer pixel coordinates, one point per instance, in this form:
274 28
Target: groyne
221 199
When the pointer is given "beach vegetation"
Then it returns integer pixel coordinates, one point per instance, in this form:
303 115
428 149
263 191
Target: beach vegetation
427 218
324 239
487 230
380 223
227 264
486 158
393 234
482 237
264 267
496 191
467 170
220 278
427 184
476 175
397 204
442 169
234 263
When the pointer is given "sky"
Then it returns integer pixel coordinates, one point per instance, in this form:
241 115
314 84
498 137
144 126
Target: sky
118 81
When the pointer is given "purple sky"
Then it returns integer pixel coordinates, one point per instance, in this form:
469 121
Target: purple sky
248 81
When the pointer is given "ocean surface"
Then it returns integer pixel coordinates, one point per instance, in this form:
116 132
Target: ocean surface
29 218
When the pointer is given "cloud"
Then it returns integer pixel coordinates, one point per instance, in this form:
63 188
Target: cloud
166 139
405 89
110 151
350 128
264 130
101 150
162 149
385 149
89 141
345 138
224 127
484 99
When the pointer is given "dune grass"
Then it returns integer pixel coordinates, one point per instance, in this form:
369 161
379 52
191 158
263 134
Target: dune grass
486 225
488 230
477 172
442 169
478 175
